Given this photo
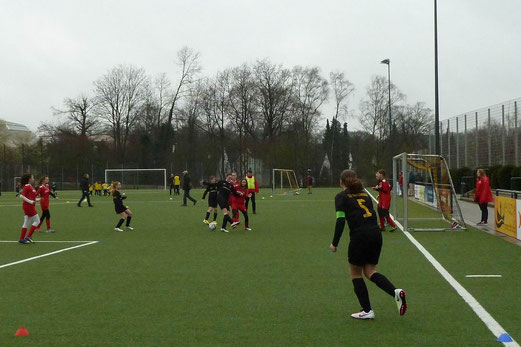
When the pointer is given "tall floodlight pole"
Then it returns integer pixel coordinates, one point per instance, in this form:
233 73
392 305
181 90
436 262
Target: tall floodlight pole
388 63
436 96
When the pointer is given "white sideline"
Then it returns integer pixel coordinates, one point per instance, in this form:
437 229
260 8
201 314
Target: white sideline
47 254
487 276
485 317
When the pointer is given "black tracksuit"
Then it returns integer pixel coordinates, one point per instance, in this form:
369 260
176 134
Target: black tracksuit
84 186
187 185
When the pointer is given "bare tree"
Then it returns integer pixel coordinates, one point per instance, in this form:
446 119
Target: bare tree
162 86
120 94
79 114
188 61
342 88
310 92
274 96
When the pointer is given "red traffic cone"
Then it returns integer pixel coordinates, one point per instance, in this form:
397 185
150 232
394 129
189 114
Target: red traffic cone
22 332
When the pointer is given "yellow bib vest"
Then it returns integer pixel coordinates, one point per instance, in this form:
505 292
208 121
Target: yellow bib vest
251 182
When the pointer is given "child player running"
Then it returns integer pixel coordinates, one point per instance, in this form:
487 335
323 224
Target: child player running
226 189
238 204
384 200
28 195
44 191
212 188
356 207
120 208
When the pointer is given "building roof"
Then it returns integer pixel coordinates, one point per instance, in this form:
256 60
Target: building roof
11 126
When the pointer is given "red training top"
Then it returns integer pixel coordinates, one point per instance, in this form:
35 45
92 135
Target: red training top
238 201
44 191
483 192
236 185
29 193
384 194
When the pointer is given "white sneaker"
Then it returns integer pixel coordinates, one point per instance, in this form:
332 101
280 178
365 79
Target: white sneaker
249 229
224 230
363 315
129 228
234 224
399 298
118 229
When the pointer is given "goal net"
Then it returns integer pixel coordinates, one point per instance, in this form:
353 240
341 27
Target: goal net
138 178
426 199
284 182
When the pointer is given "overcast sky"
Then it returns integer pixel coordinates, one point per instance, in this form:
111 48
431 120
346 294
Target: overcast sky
50 50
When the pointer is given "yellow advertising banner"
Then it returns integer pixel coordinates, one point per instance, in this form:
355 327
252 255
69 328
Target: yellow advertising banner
505 215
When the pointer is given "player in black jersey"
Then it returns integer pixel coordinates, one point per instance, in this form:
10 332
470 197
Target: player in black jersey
120 208
212 188
355 205
223 200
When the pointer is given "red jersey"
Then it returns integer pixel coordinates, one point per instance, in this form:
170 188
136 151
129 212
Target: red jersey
384 194
44 191
29 193
235 185
483 192
238 201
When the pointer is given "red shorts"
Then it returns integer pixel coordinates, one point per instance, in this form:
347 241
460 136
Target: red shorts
240 207
30 211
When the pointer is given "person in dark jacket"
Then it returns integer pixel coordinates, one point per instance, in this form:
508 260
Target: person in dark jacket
84 186
187 185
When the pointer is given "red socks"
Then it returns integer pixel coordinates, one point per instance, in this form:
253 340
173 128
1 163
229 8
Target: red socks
22 235
48 222
391 222
31 231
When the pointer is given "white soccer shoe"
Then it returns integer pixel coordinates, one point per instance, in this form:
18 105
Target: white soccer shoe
118 229
399 298
248 229
363 315
234 224
129 228
224 230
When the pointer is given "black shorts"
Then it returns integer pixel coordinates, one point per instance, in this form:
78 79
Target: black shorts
382 212
223 203
365 247
212 200
120 209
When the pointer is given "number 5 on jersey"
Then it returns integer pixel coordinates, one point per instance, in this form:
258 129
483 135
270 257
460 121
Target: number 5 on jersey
361 204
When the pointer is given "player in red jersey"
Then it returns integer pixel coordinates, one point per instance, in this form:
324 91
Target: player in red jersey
28 195
238 204
235 183
44 191
384 200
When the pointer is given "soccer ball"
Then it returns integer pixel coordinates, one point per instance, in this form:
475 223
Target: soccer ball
212 226
170 198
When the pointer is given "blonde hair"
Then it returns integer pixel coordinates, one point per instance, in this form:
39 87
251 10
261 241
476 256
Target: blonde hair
482 173
114 184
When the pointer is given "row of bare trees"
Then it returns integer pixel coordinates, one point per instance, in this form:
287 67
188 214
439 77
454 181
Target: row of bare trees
261 110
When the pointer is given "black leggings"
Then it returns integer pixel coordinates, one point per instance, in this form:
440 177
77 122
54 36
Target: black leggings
187 196
45 214
253 204
484 212
84 196
244 213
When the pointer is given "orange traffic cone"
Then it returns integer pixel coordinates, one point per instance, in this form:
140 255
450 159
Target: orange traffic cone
22 332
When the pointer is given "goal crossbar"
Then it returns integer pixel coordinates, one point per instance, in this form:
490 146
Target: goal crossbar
289 175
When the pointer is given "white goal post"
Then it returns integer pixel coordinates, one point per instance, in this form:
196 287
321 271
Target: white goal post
285 180
137 171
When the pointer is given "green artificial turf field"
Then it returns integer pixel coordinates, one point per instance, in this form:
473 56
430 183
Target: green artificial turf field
171 281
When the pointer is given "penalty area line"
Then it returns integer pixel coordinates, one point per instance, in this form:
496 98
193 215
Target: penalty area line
47 241
485 317
47 254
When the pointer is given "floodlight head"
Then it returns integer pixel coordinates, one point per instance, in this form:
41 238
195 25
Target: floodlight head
386 61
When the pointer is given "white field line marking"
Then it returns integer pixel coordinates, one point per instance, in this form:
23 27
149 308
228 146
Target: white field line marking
488 276
489 321
45 241
47 254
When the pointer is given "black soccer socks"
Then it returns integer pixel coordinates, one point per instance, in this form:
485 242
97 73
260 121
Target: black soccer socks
383 283
362 294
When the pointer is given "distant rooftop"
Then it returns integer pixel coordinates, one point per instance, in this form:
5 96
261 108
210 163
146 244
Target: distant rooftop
11 126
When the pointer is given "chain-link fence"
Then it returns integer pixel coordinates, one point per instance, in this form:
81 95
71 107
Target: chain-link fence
481 138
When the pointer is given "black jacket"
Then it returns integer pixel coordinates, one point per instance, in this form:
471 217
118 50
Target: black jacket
84 184
187 185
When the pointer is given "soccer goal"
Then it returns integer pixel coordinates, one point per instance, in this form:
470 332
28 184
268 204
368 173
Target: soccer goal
284 182
138 178
427 200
